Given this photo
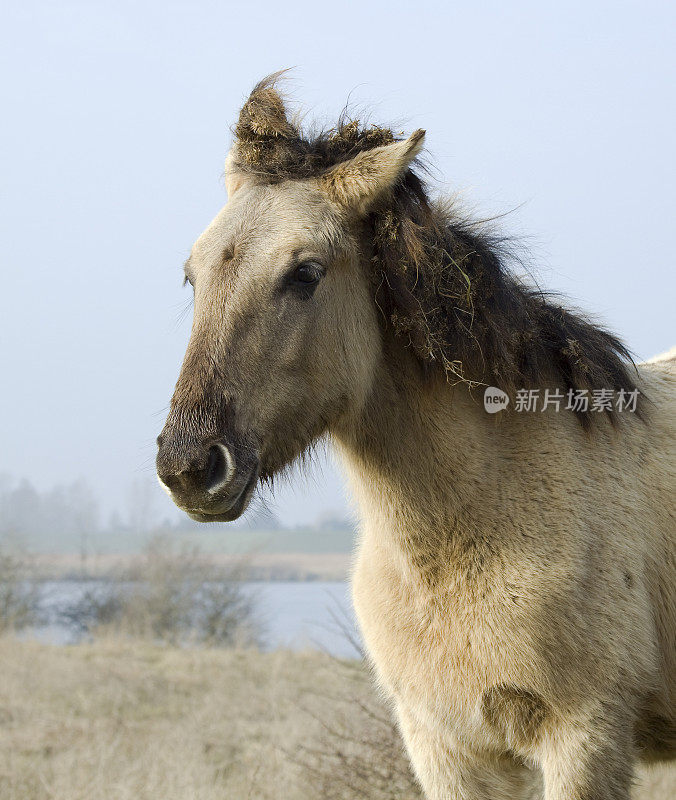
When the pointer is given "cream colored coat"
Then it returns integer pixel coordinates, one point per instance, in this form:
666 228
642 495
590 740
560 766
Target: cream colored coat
515 583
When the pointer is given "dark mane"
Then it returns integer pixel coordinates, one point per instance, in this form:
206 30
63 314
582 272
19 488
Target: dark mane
442 282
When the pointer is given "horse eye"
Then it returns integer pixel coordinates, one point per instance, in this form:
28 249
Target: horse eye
306 275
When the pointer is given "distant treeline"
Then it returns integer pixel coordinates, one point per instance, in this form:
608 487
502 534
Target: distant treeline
68 518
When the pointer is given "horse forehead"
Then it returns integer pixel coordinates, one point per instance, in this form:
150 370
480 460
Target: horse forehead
229 225
299 213
286 213
271 217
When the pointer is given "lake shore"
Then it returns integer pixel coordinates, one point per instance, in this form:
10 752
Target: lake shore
260 566
289 615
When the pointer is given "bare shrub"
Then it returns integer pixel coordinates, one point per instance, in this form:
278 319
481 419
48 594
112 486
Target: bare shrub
19 596
357 751
98 608
224 615
173 595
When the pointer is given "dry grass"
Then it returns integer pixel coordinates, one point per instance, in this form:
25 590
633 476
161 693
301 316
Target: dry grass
128 719
136 721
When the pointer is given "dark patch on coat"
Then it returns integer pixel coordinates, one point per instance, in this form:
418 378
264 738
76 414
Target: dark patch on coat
655 736
518 714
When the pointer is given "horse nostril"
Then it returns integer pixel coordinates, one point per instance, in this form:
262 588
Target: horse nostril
219 469
214 466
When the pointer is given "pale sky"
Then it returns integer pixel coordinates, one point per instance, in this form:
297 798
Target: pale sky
116 125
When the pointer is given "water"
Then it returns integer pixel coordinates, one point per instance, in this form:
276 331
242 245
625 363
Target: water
294 615
301 615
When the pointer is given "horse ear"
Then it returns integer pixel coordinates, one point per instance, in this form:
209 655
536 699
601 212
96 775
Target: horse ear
361 181
264 136
264 113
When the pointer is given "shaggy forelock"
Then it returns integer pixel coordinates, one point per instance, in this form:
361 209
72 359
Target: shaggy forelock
272 148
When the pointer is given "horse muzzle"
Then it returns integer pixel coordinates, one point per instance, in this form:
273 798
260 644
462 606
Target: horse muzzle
206 480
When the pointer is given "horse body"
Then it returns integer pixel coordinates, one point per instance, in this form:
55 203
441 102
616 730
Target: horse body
515 580
523 573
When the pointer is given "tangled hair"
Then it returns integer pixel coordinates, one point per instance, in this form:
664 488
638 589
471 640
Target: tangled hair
442 282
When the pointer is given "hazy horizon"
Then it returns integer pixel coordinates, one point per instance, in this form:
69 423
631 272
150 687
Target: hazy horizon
117 126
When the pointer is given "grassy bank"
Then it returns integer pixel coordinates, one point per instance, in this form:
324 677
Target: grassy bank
134 721
260 566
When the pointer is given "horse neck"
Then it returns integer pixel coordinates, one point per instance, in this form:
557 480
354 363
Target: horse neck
419 458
